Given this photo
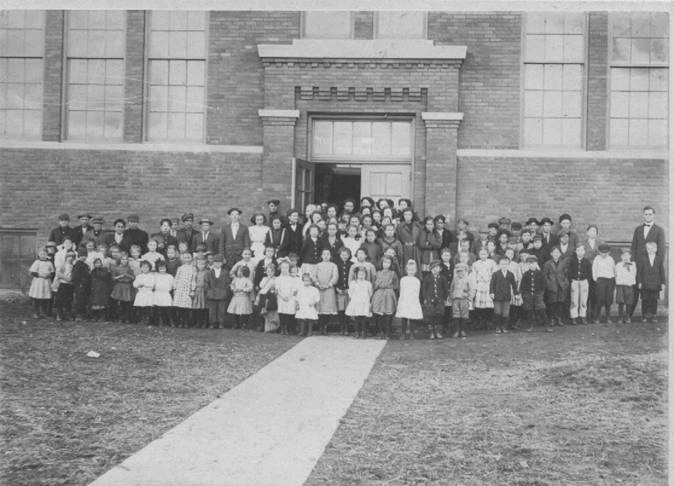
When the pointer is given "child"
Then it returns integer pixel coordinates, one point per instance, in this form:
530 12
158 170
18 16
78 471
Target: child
199 309
344 269
532 288
107 261
246 261
267 300
217 293
390 241
650 280
482 271
134 259
501 290
307 298
311 251
447 271
101 284
360 293
580 273
152 255
351 241
241 304
460 292
64 293
603 273
409 307
262 264
40 292
172 260
516 301
286 290
384 301
81 278
556 286
395 266
326 277
183 288
625 279
122 285
161 297
371 247
434 292
92 254
144 283
428 243
361 262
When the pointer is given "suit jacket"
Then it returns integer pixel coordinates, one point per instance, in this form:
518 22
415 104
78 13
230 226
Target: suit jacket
138 237
656 234
579 270
295 239
125 244
651 277
217 288
432 292
183 235
532 283
58 234
590 253
556 279
231 246
502 287
447 238
311 252
212 241
79 233
163 241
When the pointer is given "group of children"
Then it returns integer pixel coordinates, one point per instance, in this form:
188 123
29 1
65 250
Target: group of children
359 275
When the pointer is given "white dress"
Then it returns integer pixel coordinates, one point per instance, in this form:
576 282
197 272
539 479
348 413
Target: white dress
286 288
257 236
409 306
40 286
145 296
360 293
353 245
162 290
307 298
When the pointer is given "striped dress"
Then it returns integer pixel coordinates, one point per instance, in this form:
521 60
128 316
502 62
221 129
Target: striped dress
482 270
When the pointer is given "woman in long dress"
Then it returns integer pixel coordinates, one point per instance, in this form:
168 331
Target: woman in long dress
258 233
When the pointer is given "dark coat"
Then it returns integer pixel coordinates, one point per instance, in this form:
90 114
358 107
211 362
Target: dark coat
429 244
373 251
163 241
651 277
58 234
447 272
434 291
279 240
311 251
579 270
556 280
333 247
212 241
501 286
656 234
231 246
295 239
343 269
81 278
138 237
79 233
101 286
532 283
184 235
260 272
125 244
447 238
217 288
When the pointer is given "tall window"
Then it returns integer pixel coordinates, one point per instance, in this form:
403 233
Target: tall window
177 76
400 25
554 57
95 74
327 25
362 139
21 73
639 80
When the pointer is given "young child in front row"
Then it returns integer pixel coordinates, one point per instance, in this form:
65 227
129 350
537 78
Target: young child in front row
384 301
286 290
434 292
307 298
101 286
161 297
603 273
461 293
501 289
144 283
447 271
516 301
63 300
183 290
122 288
241 304
217 293
342 288
40 292
267 300
625 279
409 306
326 277
532 288
360 293
484 305
199 309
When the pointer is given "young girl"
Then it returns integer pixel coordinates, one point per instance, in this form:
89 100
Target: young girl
261 267
390 241
461 293
42 271
217 293
101 283
409 306
144 283
122 285
286 290
241 304
134 259
384 300
516 301
429 243
327 275
199 309
183 290
482 270
361 262
447 271
152 255
351 241
277 238
64 293
407 233
332 241
311 251
342 288
307 300
246 261
360 293
92 254
434 292
161 296
172 260
267 300
371 247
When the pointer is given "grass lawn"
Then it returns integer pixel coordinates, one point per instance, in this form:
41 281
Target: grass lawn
66 418
583 405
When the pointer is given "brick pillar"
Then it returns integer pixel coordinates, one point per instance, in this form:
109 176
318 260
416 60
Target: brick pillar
441 162
53 76
597 94
133 81
278 136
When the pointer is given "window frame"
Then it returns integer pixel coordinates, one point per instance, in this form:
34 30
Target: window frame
583 86
303 25
146 83
375 28
610 65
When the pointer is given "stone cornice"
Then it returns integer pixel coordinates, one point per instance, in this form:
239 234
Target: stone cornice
278 117
438 119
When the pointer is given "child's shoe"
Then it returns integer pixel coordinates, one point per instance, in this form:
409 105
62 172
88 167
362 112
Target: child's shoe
463 334
456 334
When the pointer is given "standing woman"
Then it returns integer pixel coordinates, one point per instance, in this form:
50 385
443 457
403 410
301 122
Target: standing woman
429 243
278 238
164 237
331 241
258 233
311 252
408 232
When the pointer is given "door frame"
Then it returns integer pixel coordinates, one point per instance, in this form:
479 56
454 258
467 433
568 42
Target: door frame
364 177
306 167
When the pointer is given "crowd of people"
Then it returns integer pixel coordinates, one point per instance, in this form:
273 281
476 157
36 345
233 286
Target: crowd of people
357 265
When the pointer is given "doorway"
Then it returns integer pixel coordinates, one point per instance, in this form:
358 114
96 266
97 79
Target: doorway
335 183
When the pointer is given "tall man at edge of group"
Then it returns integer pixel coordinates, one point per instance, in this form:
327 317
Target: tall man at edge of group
645 232
234 237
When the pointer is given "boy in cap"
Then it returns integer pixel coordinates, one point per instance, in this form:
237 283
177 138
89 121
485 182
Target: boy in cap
532 225
217 290
565 225
580 273
96 232
549 239
187 232
502 288
532 288
80 232
603 273
62 231
434 290
461 294
492 229
556 286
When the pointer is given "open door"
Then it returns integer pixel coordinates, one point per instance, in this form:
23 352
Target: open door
304 175
386 181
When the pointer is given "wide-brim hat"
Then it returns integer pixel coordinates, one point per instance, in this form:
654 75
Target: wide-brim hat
234 209
532 220
205 220
97 220
546 220
187 216
604 248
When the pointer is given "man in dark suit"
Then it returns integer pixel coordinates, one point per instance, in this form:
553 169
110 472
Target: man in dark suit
447 237
96 234
648 231
62 231
233 238
80 232
206 237
549 238
650 280
119 236
296 238
136 235
187 232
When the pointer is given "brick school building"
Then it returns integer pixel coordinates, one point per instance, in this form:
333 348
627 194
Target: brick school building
477 115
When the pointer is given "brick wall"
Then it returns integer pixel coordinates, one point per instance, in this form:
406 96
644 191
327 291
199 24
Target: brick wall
53 76
38 185
489 85
597 91
606 192
135 70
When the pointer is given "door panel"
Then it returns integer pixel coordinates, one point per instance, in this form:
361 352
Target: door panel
386 181
303 183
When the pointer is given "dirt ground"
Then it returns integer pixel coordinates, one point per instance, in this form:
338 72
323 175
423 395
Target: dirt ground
583 405
66 418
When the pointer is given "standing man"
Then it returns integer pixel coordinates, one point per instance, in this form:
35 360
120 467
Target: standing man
645 232
206 237
62 231
234 238
119 236
273 205
80 232
96 233
295 237
135 235
187 232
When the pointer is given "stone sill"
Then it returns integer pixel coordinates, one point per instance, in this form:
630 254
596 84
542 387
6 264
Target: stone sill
367 49
135 147
564 154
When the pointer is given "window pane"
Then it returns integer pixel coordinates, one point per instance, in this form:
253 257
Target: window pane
157 126
77 99
32 123
639 79
362 140
535 48
640 51
159 20
552 103
159 45
178 44
177 20
196 20
641 24
573 48
400 138
620 104
620 23
621 50
638 132
195 73
533 131
658 79
554 23
533 103
400 25
572 77
381 132
14 122
194 126
159 72
177 72
195 99
322 140
77 43
176 99
114 20
34 71
533 76
620 79
552 131
638 105
535 22
571 132
657 105
113 124
554 48
342 138
176 126
94 125
327 25
571 105
574 23
553 77
619 132
158 98
658 51
77 123
195 45
659 26
657 133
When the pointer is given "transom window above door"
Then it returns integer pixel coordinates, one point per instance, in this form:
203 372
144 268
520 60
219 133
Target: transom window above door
361 140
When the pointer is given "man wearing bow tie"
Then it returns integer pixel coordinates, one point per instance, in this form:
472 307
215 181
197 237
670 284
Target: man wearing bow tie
648 231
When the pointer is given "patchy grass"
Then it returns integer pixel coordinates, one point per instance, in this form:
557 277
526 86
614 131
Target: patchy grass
583 405
66 418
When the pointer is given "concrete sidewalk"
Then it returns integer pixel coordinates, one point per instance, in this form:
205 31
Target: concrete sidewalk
269 430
